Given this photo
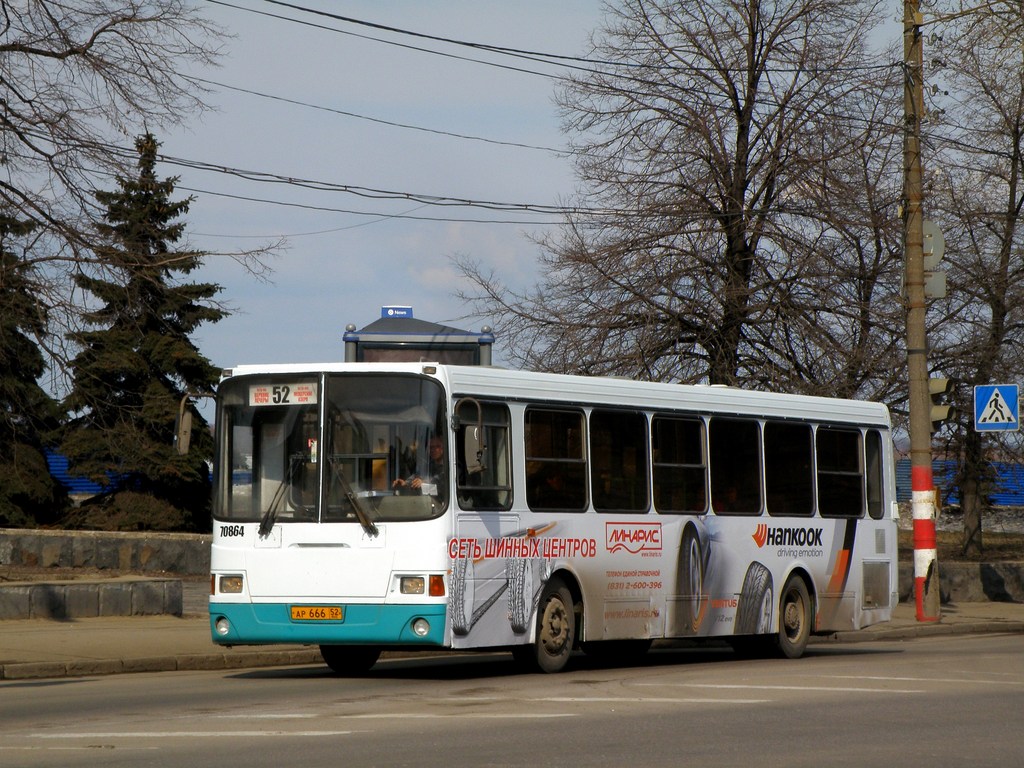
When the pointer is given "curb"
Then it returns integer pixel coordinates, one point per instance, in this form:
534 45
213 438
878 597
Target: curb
938 629
36 670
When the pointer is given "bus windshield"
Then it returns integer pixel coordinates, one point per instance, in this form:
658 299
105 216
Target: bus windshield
349 448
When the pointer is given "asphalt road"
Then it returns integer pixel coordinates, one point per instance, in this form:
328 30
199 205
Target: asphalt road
938 701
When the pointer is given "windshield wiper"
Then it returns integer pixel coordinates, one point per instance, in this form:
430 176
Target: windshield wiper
361 514
270 516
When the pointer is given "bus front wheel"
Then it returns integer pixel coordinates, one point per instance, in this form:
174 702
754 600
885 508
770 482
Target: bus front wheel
556 629
349 660
795 616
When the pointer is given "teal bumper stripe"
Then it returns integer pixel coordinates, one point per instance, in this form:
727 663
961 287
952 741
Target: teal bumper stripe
269 623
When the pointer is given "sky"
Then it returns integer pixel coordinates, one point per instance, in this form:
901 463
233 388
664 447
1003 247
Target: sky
340 267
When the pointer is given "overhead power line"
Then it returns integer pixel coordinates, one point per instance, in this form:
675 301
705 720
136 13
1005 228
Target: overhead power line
378 194
563 60
373 214
377 120
293 20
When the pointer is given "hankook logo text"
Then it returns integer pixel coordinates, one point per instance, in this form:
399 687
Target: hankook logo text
787 537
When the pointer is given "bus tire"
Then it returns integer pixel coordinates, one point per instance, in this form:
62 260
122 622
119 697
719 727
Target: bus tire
690 582
350 660
795 617
556 630
756 602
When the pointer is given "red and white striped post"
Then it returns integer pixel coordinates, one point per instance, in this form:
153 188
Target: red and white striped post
926 571
926 562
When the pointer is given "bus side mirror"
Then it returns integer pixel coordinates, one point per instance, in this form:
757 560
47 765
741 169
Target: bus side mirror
473 449
183 430
183 424
473 443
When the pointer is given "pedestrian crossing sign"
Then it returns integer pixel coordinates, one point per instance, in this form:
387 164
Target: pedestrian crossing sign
996 408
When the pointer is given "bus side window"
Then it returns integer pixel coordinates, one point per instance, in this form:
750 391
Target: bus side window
873 467
840 472
789 468
734 447
556 464
487 484
618 456
680 465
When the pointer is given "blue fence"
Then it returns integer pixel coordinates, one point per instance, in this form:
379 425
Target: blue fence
1009 482
76 486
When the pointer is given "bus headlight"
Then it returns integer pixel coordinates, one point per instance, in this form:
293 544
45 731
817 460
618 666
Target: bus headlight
411 585
231 585
421 627
223 626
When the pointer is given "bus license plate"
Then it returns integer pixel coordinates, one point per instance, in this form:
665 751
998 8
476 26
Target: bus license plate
317 613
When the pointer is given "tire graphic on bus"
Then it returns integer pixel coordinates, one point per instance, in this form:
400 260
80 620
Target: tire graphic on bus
526 579
462 597
690 577
520 594
756 602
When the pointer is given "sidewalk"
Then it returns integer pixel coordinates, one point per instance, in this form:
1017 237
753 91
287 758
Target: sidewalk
38 648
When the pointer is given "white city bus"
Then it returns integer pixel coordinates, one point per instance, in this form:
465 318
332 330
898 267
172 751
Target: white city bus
363 507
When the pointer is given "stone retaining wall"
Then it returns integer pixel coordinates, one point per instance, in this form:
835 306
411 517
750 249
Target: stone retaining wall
156 553
67 600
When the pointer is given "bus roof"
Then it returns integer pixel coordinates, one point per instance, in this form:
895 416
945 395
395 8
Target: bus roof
598 390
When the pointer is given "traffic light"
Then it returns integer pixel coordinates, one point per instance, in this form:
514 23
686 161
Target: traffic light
940 411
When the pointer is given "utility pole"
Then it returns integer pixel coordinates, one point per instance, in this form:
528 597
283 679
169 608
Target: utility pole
926 568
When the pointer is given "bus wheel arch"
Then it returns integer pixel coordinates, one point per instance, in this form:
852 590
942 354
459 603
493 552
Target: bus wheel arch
796 615
557 627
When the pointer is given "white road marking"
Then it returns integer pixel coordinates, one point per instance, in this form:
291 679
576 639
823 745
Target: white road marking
181 734
957 680
803 688
460 716
646 700
281 716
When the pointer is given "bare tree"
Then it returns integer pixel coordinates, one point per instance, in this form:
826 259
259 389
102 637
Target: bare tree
977 199
79 80
739 221
73 73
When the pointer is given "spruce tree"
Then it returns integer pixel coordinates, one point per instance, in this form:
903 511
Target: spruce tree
29 495
136 359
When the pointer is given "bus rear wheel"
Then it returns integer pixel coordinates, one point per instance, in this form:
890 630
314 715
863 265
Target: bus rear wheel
349 660
556 630
795 618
